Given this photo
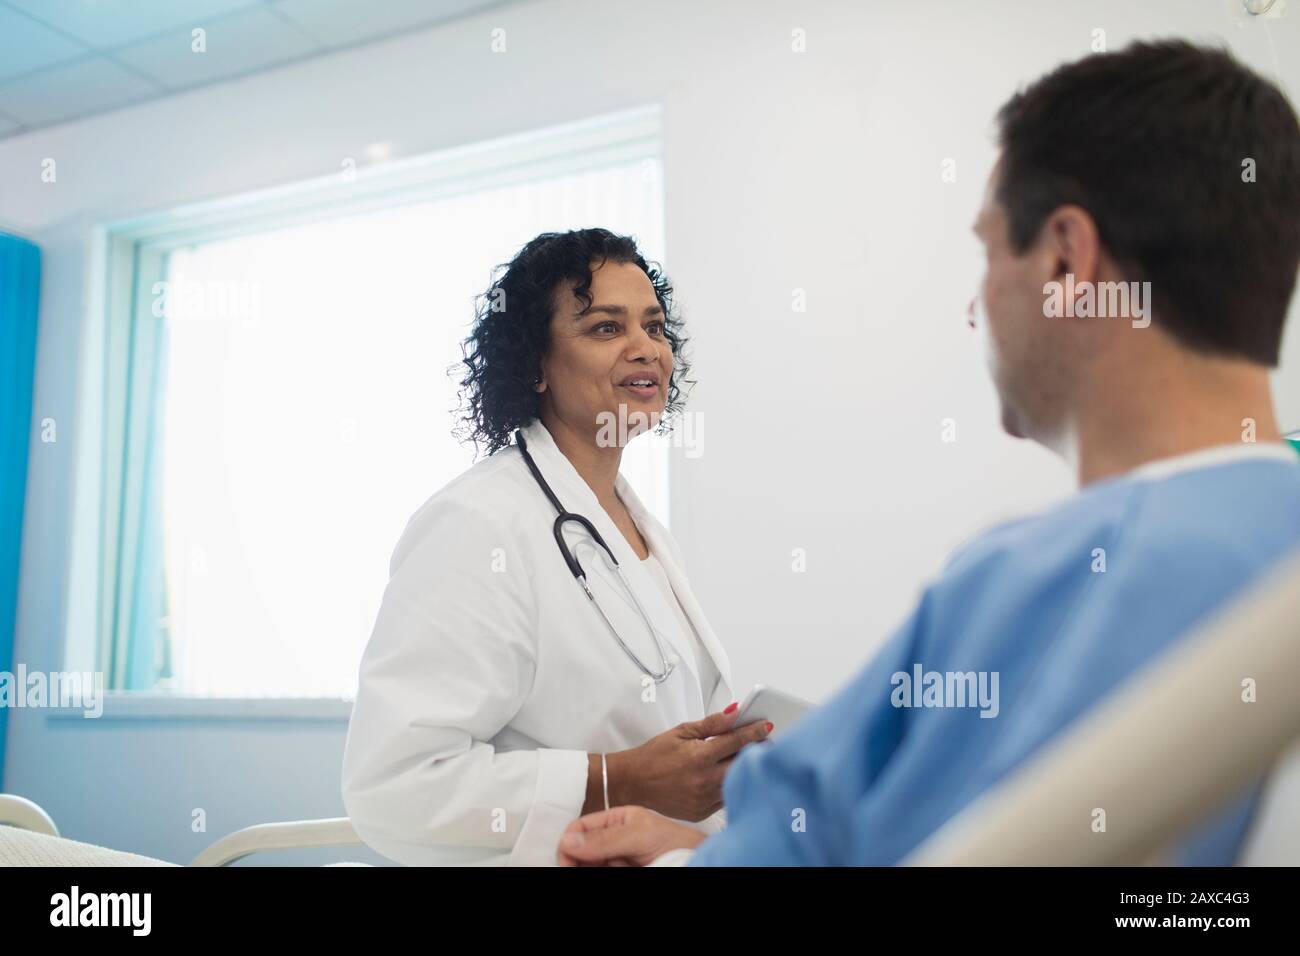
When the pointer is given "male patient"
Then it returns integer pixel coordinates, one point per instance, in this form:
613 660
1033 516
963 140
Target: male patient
1176 171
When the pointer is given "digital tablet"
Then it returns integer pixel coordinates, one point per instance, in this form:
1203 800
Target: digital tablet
768 703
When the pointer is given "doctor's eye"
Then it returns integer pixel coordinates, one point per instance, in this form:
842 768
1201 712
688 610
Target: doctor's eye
655 328
605 326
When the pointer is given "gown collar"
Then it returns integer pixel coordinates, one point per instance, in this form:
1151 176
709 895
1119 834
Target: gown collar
1217 455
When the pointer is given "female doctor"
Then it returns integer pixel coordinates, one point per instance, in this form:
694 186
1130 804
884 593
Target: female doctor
538 653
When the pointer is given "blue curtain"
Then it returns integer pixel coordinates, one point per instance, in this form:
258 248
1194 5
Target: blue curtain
20 284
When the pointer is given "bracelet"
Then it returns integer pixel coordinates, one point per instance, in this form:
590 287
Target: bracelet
604 779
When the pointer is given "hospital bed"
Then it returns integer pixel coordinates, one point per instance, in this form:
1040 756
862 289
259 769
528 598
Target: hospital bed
28 837
1160 755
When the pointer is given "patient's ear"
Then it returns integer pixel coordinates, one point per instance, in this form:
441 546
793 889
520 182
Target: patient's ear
1073 243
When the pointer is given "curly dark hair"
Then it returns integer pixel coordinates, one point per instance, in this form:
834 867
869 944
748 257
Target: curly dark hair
503 352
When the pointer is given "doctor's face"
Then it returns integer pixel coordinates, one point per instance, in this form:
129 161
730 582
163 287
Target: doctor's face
611 354
1027 354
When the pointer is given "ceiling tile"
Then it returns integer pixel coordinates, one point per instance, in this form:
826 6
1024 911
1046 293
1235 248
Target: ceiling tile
65 92
64 59
26 45
343 22
111 23
236 44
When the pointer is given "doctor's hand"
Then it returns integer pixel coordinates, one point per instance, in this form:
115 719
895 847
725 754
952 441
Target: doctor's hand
680 772
623 836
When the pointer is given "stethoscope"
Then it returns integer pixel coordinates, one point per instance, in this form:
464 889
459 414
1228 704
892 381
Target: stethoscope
564 517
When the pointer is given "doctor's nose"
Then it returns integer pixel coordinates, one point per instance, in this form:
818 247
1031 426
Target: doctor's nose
642 348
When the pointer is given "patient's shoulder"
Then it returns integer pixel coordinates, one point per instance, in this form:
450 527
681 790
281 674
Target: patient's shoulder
1079 524
1135 533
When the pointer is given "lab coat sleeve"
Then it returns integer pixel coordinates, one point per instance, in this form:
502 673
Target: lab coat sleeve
449 664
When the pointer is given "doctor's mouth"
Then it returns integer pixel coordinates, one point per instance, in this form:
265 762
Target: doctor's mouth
643 385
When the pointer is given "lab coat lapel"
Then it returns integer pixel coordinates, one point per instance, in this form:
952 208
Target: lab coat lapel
577 497
664 550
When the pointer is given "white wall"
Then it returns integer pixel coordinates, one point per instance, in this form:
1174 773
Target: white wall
817 171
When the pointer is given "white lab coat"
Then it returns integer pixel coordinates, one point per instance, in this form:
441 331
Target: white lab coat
489 676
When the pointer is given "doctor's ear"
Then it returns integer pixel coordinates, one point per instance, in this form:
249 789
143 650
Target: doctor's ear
539 385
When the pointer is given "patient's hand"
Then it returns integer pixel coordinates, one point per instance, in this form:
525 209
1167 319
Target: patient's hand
623 836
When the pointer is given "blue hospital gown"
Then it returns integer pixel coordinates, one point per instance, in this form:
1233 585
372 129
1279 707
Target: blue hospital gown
874 780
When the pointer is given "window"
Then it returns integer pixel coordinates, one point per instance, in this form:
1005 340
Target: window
282 404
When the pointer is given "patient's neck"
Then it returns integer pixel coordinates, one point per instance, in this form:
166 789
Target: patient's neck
1161 402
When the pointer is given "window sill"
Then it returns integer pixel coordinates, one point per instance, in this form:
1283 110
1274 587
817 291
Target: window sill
145 705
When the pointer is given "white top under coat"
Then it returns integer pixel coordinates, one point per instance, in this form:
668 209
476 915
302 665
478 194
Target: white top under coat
708 671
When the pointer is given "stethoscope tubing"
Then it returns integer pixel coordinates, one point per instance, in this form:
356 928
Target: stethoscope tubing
563 517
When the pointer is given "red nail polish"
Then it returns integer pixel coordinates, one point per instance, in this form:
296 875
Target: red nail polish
730 707
769 726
